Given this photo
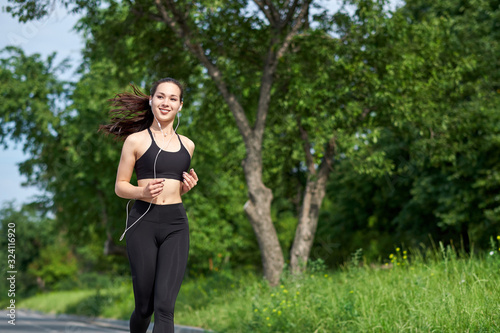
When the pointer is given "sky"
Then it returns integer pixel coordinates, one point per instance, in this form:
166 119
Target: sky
54 33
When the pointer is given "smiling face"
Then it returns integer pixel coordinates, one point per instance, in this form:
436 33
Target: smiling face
166 101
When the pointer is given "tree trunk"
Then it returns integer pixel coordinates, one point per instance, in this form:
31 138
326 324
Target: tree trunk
308 222
258 210
311 202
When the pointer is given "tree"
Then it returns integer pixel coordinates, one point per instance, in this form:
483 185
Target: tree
28 84
32 232
439 72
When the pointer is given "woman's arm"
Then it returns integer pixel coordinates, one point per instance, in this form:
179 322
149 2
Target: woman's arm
123 188
190 179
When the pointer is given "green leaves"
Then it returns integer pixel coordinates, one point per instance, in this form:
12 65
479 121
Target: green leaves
29 90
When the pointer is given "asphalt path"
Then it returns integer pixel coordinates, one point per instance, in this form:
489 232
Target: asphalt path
31 322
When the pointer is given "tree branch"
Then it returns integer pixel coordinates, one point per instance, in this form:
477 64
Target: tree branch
326 165
291 12
299 21
270 69
265 89
179 25
266 12
307 148
274 12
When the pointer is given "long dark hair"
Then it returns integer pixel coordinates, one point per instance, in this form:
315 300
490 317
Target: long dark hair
132 112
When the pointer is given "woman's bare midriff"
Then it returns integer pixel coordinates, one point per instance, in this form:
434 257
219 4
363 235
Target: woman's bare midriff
171 193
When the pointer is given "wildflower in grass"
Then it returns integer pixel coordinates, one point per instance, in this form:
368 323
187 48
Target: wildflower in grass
326 275
297 293
391 256
398 249
272 295
498 237
282 286
279 313
351 292
492 253
285 291
267 318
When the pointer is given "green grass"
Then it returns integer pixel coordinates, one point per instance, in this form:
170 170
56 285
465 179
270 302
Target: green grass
114 302
56 302
407 294
449 295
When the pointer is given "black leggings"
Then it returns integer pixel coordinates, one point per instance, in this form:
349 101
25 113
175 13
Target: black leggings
157 248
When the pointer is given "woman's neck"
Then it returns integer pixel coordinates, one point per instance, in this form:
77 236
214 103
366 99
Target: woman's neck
165 129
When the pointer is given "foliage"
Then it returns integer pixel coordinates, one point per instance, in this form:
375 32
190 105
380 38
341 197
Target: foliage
56 263
440 95
33 232
30 92
44 259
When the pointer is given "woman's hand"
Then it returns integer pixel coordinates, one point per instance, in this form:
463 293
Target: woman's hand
153 189
190 181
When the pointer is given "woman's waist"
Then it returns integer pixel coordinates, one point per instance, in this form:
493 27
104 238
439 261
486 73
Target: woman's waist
158 213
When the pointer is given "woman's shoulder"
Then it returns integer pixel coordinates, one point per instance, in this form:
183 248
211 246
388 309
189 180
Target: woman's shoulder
186 139
188 143
137 138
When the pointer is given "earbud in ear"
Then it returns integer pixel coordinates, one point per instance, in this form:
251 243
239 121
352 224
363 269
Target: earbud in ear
180 108
149 102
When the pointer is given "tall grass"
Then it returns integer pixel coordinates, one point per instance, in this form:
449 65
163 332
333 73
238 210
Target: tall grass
412 291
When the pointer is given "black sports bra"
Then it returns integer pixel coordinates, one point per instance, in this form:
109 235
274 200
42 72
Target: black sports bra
168 165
